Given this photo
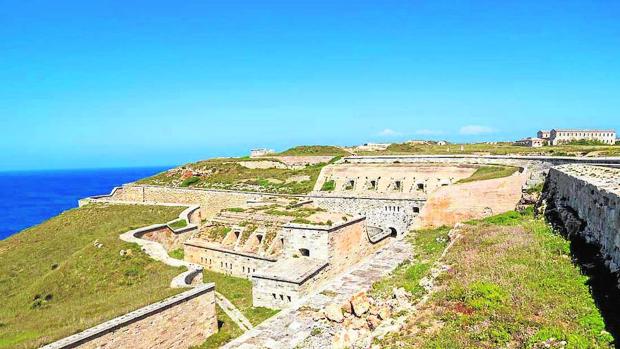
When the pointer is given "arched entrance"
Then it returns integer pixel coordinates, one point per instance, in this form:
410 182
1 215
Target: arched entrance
393 232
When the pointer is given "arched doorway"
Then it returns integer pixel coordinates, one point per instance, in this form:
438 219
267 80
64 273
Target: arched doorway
393 232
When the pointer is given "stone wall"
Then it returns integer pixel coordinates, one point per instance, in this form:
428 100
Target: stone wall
585 201
225 261
383 213
180 321
210 201
472 200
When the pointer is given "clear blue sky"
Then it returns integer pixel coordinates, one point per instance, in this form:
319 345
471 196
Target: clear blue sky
134 83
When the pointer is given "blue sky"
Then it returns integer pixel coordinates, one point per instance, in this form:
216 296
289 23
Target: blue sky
138 83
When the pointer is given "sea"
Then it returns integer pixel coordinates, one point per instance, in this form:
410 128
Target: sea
29 198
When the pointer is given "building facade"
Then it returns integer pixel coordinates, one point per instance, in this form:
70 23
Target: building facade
561 136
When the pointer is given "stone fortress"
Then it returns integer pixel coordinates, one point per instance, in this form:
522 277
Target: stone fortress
289 245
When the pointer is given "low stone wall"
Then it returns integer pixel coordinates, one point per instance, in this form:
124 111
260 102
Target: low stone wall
180 321
210 201
225 261
585 201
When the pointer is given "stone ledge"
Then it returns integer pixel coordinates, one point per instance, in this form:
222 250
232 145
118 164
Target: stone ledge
129 318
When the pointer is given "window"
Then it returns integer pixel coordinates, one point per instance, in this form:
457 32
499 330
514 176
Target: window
274 296
420 186
288 298
281 297
304 252
416 210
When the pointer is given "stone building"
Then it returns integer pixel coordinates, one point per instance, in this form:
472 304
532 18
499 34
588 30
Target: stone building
560 136
534 142
544 134
284 246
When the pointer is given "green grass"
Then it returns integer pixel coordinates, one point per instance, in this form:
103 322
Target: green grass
231 175
178 254
329 185
429 244
511 284
235 209
490 172
228 330
178 224
54 282
315 150
189 181
239 292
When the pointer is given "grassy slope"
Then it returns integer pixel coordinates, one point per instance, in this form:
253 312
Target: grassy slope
315 150
512 285
85 285
227 331
239 292
490 172
229 174
497 149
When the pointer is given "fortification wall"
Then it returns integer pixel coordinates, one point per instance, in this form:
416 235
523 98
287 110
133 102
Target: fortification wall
383 213
210 201
585 200
472 200
180 321
222 261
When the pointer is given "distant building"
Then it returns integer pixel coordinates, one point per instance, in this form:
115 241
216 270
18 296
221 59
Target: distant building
416 141
560 136
442 143
543 134
254 153
534 142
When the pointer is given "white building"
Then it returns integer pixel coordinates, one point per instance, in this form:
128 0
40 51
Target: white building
560 136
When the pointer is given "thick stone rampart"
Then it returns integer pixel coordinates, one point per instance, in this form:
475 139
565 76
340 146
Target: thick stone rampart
180 321
585 200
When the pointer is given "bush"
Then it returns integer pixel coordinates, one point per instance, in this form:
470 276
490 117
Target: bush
189 181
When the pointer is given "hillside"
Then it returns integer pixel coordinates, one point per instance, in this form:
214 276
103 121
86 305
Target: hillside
67 274
315 150
263 175
510 283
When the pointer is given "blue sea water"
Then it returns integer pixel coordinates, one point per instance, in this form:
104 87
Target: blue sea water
29 198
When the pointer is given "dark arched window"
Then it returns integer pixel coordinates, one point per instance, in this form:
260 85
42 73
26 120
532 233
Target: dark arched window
304 252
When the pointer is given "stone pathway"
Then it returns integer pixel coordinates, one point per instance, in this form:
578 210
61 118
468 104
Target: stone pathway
232 312
293 326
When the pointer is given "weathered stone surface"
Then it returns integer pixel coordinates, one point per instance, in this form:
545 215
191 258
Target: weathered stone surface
360 303
178 322
334 313
373 321
585 201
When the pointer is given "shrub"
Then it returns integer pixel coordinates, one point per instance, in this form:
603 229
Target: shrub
329 185
189 181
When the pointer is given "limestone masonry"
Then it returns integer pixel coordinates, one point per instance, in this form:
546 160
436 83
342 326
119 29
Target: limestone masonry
585 200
